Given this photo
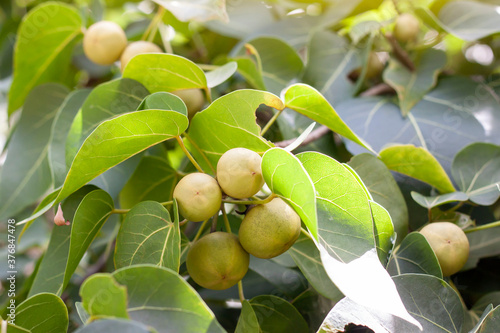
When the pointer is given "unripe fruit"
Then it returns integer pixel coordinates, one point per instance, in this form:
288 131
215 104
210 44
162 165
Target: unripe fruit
239 173
135 48
374 66
199 196
450 244
104 42
193 98
217 261
407 28
269 230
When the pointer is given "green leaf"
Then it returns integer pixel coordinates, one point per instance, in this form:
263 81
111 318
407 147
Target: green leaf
384 190
307 257
102 296
384 231
107 100
165 72
82 313
148 236
221 74
470 20
491 322
276 315
163 101
154 179
25 175
442 122
117 139
345 226
475 169
309 102
43 49
286 177
195 10
248 69
330 60
114 325
418 163
483 244
230 122
42 313
412 86
414 255
280 62
90 216
247 321
438 200
60 130
432 301
161 298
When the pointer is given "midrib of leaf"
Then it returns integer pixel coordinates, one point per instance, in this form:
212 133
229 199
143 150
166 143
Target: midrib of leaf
177 74
30 173
49 60
337 72
474 179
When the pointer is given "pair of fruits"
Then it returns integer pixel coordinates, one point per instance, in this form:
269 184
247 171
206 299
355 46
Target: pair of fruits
220 259
449 243
105 42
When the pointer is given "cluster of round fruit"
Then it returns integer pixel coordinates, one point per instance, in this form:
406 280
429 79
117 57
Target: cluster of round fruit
220 259
105 42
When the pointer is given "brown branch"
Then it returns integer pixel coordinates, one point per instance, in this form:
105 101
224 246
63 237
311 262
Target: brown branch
379 89
315 135
400 53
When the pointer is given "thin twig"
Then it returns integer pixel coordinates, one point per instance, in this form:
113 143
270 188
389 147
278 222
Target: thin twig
315 135
226 220
200 231
400 53
379 89
188 154
270 123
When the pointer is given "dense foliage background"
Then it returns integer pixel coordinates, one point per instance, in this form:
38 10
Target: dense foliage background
414 141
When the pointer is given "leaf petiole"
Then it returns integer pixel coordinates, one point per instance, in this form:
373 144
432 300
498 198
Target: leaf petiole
188 154
250 202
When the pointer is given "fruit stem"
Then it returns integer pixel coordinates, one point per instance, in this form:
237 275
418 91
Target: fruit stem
215 218
226 220
167 203
250 202
153 25
240 291
200 231
200 151
483 227
191 158
270 122
120 211
400 53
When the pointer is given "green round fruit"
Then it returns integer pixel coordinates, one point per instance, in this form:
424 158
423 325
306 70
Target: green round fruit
104 42
199 196
450 244
239 173
135 48
374 66
217 261
193 98
407 28
269 230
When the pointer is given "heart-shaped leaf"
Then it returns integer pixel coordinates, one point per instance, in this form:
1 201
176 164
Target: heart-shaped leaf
230 122
148 236
42 313
438 200
414 255
476 169
102 296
